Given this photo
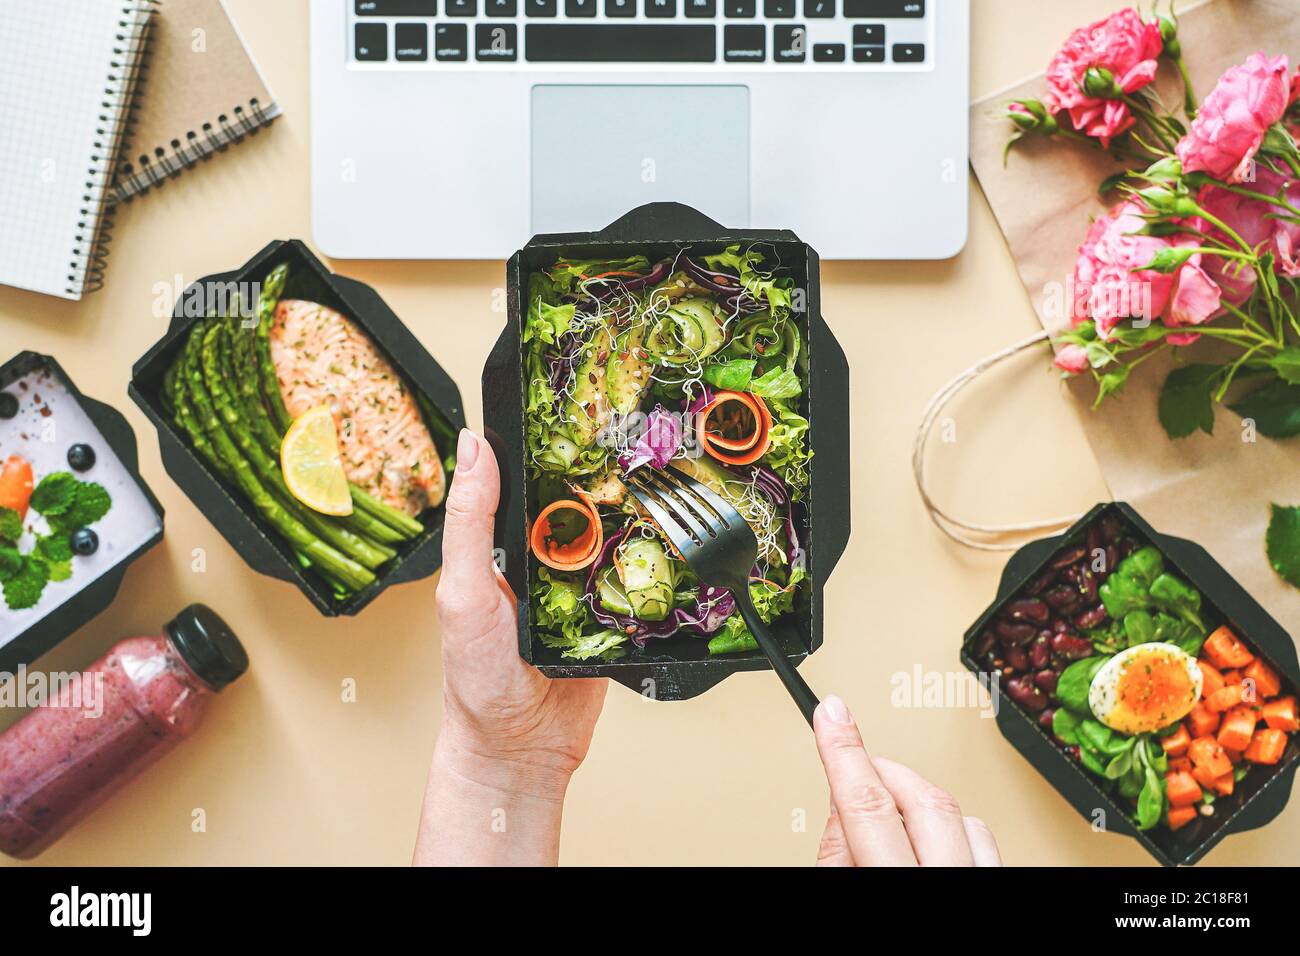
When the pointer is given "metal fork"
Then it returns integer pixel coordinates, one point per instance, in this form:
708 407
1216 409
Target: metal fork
720 547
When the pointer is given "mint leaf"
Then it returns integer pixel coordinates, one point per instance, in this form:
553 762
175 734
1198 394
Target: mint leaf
24 589
54 547
1186 400
55 493
11 562
1283 543
1287 364
11 526
733 376
90 504
1274 408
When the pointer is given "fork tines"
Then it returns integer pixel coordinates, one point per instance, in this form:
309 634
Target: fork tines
687 511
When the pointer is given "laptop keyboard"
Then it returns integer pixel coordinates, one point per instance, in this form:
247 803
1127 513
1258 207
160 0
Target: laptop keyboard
844 34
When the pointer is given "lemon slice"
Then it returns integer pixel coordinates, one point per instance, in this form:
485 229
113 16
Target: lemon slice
313 469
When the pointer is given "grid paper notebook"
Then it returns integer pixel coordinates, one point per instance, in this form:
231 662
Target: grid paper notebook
67 70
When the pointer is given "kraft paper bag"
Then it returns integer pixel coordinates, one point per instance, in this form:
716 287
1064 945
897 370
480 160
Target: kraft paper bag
1215 490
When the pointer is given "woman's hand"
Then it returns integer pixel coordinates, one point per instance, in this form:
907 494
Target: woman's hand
883 814
510 738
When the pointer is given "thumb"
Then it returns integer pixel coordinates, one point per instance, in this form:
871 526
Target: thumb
467 569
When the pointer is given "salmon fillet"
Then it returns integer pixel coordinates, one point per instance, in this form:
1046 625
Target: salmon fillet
323 358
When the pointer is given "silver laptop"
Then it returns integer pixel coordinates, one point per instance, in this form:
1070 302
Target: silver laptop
455 129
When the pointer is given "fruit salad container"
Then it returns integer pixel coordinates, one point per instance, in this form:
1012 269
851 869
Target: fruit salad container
1026 717
46 422
678 667
257 542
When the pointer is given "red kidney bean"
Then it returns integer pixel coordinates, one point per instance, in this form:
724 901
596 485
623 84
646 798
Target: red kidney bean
1060 625
1071 646
1111 528
1046 681
1073 751
1045 718
1023 692
1094 540
1040 651
1093 617
1112 559
1012 632
1087 582
1127 547
1068 557
1059 596
1041 583
984 643
1017 658
1027 609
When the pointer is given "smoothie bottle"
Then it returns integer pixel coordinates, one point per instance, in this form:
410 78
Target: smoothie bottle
133 705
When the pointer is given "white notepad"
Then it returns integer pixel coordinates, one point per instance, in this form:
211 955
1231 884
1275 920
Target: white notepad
67 68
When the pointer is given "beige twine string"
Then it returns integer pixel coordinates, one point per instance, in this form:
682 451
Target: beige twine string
954 527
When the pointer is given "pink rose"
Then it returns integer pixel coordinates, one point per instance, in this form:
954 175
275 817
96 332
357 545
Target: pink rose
1232 122
1072 359
1261 225
1122 44
1110 284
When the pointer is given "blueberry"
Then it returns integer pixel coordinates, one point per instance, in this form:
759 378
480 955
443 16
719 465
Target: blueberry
81 457
85 542
8 405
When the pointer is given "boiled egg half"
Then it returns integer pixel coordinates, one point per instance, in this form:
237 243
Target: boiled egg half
1145 688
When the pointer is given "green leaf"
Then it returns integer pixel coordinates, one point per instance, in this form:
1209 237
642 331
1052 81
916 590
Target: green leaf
1111 383
1287 364
11 526
55 493
733 637
778 383
1065 725
92 502
11 562
1072 688
1151 801
1187 400
603 644
24 589
1274 407
1283 542
733 376
56 551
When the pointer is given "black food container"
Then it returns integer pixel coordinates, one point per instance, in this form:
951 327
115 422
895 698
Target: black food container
260 546
1257 799
98 593
679 667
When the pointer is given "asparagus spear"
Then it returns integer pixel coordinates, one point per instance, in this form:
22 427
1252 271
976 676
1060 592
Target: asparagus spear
339 566
272 288
268 470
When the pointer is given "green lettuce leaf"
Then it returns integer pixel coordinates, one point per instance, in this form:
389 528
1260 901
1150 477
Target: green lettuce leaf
558 604
788 454
778 383
605 644
732 376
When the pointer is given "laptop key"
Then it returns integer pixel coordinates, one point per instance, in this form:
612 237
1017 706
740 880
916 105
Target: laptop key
789 43
496 42
620 8
739 9
411 41
539 8
620 43
868 54
818 9
869 34
372 41
501 8
909 52
701 8
884 9
774 9
828 52
395 8
462 8
450 40
579 8
658 9
744 44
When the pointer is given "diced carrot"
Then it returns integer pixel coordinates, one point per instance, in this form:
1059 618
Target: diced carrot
1231 677
1180 764
1238 727
1211 679
1225 698
1225 651
1208 752
1203 776
1181 816
1281 714
1182 789
1176 743
1234 755
1267 683
1266 746
1202 721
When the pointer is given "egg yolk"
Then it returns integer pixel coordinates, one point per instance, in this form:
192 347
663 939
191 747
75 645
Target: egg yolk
1153 691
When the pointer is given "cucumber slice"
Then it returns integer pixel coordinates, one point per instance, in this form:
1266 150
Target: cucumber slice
647 578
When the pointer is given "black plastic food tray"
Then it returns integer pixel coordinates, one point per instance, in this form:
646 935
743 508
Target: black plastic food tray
1257 799
263 549
679 667
98 594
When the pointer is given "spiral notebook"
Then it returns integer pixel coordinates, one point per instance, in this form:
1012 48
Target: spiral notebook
67 72
199 93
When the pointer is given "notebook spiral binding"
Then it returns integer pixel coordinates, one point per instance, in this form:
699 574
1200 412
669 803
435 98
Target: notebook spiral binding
90 255
170 161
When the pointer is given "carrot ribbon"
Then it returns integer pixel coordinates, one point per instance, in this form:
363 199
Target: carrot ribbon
744 449
572 555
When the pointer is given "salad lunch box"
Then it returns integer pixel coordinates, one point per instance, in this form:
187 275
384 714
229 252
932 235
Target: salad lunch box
263 550
679 667
1258 798
111 430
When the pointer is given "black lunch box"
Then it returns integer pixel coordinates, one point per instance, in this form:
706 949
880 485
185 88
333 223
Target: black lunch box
262 548
679 667
1257 799
98 594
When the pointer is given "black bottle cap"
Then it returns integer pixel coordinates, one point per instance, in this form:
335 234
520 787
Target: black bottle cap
208 645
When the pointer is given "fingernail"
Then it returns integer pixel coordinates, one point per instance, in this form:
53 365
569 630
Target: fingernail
836 710
466 451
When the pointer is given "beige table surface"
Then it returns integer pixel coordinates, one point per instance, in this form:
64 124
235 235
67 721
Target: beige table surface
288 773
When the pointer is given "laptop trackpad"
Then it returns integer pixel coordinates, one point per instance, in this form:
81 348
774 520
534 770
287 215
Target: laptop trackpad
598 151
